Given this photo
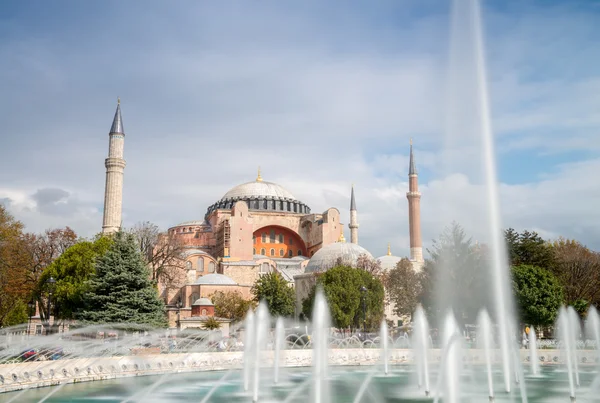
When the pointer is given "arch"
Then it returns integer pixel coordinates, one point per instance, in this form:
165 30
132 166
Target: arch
211 267
200 264
281 253
275 237
204 311
188 265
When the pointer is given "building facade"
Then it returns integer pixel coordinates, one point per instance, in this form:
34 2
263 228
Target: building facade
255 228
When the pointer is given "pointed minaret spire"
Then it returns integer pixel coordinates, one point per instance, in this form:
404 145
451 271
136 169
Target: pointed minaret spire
117 125
115 166
414 211
353 219
412 169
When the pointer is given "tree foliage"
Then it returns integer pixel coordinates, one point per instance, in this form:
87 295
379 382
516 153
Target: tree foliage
528 248
231 305
403 287
341 286
17 315
578 269
456 276
71 270
275 291
163 253
122 290
538 293
13 269
211 324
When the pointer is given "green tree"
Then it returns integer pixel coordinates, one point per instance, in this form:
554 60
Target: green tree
275 291
341 286
528 248
211 324
539 294
71 270
456 276
231 305
403 285
122 290
17 315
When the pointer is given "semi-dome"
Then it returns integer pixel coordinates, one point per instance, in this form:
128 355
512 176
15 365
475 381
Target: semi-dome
329 255
388 262
214 279
261 195
203 302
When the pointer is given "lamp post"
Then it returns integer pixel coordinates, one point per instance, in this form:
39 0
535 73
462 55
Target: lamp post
31 307
363 291
51 282
179 306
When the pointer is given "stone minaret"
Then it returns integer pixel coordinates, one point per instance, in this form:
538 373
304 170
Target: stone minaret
353 219
414 210
115 165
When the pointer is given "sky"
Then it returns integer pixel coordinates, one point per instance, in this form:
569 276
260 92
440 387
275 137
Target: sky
320 95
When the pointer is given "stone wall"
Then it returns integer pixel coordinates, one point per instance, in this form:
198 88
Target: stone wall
48 373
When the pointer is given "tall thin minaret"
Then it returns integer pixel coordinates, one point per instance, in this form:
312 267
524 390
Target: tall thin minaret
115 165
414 210
353 219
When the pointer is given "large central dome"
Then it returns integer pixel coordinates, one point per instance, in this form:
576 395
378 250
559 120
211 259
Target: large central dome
261 195
258 189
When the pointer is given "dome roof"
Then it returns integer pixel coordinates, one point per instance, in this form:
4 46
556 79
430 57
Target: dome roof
388 262
214 279
203 302
258 189
326 257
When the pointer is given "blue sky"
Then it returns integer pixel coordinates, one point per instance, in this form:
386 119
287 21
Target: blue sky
320 94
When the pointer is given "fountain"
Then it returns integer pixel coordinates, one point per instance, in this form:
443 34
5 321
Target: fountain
533 352
323 367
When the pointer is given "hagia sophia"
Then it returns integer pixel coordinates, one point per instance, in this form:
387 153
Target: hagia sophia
255 228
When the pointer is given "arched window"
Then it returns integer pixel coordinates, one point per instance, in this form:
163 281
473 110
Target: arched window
254 251
211 267
299 252
265 268
281 253
280 238
290 253
281 205
264 238
188 265
253 239
201 264
274 204
272 252
203 313
265 205
272 236
291 241
289 206
262 252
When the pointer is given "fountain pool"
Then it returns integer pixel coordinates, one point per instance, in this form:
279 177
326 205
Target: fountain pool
400 385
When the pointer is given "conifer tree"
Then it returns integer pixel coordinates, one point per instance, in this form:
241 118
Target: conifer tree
122 291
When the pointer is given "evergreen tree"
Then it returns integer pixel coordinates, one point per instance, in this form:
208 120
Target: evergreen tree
122 290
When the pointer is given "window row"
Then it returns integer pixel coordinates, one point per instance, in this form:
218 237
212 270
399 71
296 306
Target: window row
273 238
200 265
272 252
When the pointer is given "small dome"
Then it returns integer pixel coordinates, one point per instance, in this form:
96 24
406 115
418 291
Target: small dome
214 279
388 262
203 302
327 257
258 189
